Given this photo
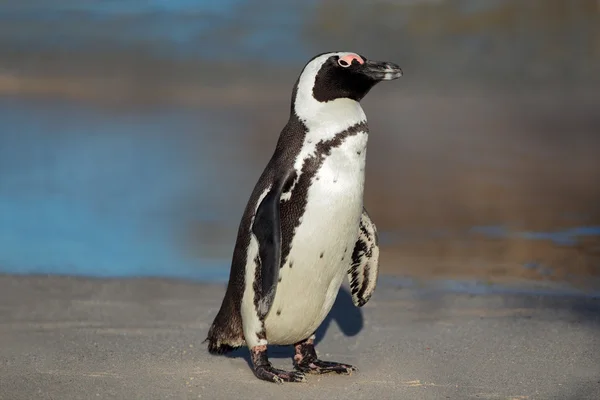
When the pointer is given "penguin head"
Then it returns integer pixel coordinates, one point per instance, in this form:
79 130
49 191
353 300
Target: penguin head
344 75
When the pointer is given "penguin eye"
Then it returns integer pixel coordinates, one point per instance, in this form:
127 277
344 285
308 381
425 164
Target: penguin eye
343 63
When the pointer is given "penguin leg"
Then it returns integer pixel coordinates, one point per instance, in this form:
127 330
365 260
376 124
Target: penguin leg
306 360
263 369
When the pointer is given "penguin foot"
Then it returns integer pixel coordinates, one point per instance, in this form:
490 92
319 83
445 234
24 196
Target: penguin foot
324 367
306 360
270 374
263 369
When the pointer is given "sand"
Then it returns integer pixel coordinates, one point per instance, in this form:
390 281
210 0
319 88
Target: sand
73 338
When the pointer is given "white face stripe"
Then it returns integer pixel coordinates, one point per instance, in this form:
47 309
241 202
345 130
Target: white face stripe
305 102
323 119
307 107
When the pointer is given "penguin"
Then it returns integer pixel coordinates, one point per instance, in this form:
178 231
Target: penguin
305 226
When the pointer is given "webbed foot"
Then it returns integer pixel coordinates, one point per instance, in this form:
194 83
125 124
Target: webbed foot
263 369
306 360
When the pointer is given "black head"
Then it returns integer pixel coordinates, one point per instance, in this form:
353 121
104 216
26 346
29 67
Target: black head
347 75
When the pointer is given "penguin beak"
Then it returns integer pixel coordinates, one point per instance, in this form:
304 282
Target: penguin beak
381 71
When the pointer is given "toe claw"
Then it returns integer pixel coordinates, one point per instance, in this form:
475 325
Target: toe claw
349 369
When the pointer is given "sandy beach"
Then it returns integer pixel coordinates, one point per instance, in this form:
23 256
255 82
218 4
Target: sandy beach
71 338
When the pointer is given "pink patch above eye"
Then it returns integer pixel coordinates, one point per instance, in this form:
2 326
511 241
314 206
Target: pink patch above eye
351 57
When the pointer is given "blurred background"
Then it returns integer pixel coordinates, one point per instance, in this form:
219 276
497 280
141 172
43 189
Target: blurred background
132 133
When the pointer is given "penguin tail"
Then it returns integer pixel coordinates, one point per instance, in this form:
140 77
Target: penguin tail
223 339
221 346
215 347
226 333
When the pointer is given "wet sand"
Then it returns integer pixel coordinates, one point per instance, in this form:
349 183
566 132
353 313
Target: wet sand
68 338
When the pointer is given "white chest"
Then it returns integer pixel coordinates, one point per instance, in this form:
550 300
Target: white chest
322 245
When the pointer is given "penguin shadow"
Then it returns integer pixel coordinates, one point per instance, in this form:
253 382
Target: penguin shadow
348 317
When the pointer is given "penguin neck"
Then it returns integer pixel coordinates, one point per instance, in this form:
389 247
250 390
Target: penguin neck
323 120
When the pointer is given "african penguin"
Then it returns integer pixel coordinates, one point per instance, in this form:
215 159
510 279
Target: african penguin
305 226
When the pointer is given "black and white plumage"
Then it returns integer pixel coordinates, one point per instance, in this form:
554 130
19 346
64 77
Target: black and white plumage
365 258
305 227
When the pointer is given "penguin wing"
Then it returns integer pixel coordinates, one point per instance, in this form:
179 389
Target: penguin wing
266 227
365 262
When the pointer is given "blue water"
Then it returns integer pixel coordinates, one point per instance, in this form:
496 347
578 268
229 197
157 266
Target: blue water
564 237
86 194
475 287
90 192
140 192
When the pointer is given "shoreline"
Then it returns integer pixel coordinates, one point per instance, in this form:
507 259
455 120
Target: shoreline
460 285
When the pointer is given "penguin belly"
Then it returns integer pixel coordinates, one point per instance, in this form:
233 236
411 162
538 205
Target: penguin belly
322 246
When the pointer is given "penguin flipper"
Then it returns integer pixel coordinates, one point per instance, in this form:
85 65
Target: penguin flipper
364 268
267 230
